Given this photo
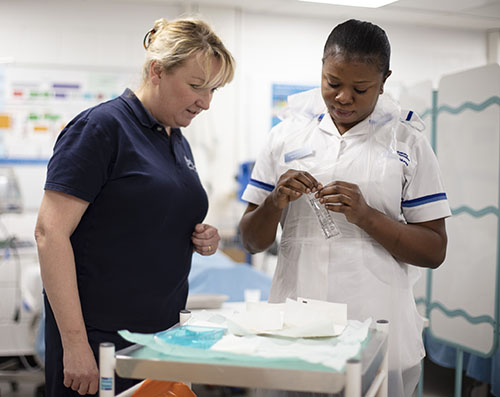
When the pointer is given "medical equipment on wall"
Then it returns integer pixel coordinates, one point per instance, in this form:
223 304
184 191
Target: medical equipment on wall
20 292
10 194
10 202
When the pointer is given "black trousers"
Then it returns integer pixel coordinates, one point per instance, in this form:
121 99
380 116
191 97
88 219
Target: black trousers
54 376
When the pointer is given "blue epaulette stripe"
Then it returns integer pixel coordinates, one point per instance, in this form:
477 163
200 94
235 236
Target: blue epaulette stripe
403 154
408 117
261 185
424 200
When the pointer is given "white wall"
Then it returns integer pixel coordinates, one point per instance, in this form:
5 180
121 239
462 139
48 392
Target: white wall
289 50
268 49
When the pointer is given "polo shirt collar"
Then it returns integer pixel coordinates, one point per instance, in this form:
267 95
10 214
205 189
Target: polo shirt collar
138 109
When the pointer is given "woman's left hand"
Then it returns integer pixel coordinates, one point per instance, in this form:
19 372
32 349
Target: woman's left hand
205 239
344 197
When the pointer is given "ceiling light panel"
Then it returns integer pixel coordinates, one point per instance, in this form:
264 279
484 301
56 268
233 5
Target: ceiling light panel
354 3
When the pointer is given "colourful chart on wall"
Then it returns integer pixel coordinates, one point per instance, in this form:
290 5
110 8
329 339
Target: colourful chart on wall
36 102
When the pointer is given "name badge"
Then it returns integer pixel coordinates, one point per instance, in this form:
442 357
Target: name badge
298 153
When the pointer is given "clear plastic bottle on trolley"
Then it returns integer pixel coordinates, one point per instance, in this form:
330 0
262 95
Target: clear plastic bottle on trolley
326 222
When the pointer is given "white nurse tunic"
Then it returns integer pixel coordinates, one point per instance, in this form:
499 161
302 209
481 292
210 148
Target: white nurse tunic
394 166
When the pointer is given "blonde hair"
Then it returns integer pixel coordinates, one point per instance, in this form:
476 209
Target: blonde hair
172 43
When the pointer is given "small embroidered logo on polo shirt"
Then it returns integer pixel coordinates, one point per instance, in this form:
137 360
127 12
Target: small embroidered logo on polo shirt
190 164
404 158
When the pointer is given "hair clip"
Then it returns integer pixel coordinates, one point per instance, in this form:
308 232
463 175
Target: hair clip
147 39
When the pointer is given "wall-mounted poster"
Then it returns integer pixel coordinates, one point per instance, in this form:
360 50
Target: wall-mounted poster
37 101
280 95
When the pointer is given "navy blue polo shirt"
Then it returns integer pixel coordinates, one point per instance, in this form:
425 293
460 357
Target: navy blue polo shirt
133 244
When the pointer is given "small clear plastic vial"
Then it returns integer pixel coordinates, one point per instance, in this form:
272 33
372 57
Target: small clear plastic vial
323 215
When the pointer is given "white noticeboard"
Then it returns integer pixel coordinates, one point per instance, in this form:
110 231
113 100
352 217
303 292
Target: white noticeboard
463 304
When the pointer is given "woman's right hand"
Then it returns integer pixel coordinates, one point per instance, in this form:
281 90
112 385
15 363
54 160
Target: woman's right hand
291 185
80 369
259 223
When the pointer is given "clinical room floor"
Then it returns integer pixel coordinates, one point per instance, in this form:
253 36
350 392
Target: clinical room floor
438 382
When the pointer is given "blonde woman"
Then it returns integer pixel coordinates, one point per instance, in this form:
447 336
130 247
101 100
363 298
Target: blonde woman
123 207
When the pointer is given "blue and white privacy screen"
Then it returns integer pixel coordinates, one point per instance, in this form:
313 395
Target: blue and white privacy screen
464 304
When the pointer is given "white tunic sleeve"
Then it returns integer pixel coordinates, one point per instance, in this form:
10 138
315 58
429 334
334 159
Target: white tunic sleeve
264 178
424 198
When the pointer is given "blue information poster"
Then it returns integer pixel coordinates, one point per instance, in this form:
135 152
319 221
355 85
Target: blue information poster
280 95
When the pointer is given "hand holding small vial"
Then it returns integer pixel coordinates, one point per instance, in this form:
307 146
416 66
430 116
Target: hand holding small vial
323 215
